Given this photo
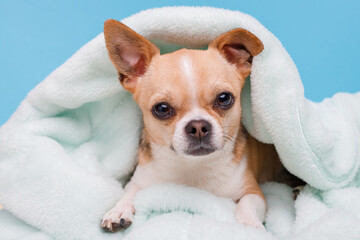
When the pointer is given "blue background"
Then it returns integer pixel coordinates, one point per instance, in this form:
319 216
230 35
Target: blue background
36 36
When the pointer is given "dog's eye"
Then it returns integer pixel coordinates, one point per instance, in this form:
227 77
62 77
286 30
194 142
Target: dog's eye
224 100
162 110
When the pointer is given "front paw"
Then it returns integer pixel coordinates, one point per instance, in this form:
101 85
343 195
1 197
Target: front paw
253 222
119 217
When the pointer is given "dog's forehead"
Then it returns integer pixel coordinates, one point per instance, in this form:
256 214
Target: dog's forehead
194 70
188 62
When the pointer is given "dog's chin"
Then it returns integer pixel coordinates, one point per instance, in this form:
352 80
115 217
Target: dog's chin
200 151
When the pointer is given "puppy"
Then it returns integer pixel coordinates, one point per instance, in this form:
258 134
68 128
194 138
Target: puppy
192 135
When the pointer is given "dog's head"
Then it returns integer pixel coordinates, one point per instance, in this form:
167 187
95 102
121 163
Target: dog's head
190 99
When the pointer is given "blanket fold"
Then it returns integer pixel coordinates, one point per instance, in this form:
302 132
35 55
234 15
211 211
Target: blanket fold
71 145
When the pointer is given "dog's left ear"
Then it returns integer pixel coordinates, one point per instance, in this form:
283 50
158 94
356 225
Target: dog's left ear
238 46
129 52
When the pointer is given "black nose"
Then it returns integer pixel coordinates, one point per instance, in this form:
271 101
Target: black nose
198 129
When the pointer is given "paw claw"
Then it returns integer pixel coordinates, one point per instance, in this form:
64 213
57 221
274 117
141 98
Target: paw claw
117 219
114 227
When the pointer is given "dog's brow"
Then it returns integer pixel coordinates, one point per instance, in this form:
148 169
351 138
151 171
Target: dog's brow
161 95
215 81
220 86
167 94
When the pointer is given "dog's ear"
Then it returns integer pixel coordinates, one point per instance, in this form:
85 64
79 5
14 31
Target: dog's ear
130 52
238 46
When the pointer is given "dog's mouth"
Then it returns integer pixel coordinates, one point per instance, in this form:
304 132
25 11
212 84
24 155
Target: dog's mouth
200 150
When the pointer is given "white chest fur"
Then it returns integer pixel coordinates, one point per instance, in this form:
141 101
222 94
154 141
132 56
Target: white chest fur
216 173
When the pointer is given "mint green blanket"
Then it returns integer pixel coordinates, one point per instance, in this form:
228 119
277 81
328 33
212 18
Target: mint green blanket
71 145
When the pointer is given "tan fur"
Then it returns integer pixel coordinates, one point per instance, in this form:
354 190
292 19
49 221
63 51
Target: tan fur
144 150
190 81
264 160
266 165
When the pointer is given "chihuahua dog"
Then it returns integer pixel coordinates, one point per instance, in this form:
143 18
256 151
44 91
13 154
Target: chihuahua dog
192 135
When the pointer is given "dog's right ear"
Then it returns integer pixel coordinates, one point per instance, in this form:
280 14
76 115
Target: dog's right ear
238 46
130 52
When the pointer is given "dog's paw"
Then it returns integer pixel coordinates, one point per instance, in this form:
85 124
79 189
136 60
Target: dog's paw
119 217
250 222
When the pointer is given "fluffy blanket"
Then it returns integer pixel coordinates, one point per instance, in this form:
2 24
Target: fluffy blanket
71 145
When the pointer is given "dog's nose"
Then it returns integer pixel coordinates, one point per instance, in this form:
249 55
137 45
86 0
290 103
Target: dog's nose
198 129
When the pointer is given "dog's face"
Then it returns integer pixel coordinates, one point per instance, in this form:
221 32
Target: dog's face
190 99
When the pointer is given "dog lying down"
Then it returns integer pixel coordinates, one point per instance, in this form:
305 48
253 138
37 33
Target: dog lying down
192 135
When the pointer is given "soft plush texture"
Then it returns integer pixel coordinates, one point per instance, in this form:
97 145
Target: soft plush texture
76 134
